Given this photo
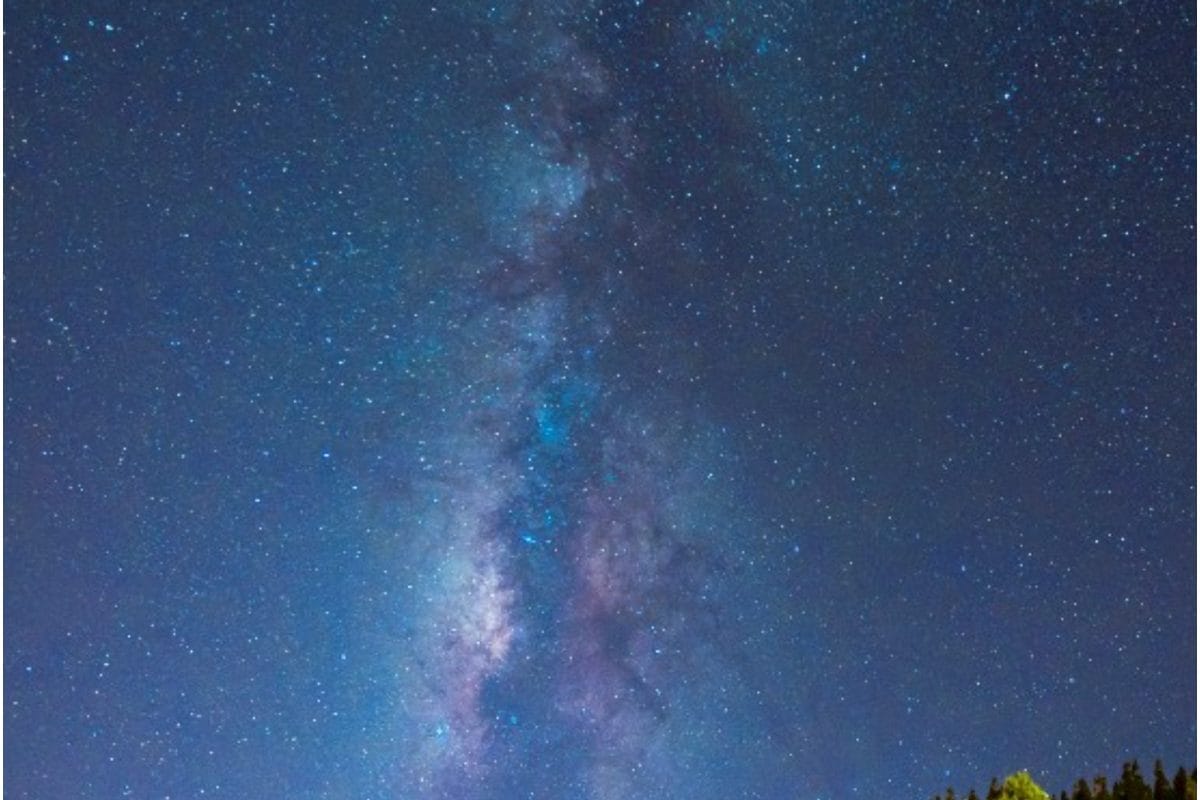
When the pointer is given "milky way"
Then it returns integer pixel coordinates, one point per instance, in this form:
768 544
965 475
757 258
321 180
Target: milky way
566 601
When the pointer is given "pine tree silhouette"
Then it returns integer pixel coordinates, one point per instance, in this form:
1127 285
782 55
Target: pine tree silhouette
1131 785
1162 787
1180 784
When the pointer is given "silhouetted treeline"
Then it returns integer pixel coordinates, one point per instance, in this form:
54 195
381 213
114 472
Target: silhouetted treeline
1130 786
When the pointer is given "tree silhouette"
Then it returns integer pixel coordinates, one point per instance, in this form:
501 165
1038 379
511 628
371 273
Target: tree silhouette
1162 787
1180 784
1131 785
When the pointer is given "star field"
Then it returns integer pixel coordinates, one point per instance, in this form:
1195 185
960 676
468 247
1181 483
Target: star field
596 400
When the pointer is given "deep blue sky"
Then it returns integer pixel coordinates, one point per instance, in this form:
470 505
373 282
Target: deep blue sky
609 400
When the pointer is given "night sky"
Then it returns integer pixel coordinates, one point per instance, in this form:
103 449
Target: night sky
605 400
